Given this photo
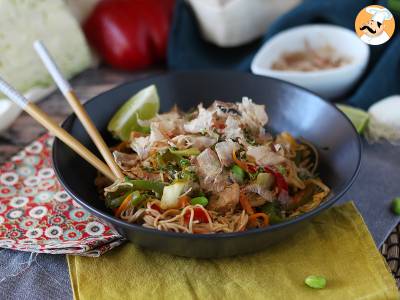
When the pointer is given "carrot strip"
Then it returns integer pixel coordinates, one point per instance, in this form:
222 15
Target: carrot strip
245 203
253 220
124 205
184 201
241 164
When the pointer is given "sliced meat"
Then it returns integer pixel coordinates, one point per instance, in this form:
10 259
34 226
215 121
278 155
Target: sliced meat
225 201
263 194
202 123
214 184
197 141
224 151
209 170
208 163
141 145
125 161
264 156
255 199
253 115
156 133
232 129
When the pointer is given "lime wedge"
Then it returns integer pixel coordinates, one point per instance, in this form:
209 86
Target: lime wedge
143 105
357 116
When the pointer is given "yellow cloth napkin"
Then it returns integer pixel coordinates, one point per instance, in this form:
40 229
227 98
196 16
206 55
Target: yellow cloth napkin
336 245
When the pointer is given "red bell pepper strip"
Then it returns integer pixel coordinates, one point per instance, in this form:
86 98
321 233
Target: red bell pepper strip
280 180
156 207
199 215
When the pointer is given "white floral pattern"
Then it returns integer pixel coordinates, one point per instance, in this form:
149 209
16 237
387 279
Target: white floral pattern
44 197
46 173
19 201
32 181
94 228
34 233
9 178
62 196
26 171
15 213
38 212
34 148
53 232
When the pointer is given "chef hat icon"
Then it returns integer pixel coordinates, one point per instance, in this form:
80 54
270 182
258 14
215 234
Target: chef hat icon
379 14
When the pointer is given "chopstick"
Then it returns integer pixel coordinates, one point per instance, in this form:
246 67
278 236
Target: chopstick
77 107
35 112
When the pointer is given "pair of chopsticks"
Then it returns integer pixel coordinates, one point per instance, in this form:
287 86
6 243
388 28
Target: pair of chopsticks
111 169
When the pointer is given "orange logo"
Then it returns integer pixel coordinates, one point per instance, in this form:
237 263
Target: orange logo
375 25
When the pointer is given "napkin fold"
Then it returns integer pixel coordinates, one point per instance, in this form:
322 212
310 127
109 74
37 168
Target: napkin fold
336 245
37 215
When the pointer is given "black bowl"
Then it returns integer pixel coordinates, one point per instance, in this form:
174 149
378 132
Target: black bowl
289 108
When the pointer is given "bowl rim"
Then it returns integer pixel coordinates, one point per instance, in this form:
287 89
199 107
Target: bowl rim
357 62
122 224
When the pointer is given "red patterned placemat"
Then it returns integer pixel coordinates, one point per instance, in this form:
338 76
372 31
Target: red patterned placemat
37 215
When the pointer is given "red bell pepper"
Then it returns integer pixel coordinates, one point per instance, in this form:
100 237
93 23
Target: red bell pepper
156 207
199 215
280 180
130 34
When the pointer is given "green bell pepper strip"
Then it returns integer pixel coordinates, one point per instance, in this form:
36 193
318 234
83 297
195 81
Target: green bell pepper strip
115 202
272 210
238 173
147 185
203 201
137 198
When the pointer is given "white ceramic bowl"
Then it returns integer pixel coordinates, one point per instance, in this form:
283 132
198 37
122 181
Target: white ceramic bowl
226 23
330 83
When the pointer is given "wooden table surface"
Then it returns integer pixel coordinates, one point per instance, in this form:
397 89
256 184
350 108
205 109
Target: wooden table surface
88 84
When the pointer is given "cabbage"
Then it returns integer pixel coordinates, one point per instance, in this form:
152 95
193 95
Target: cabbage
21 23
171 194
384 122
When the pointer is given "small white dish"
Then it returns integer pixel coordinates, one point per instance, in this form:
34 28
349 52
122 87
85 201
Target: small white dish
330 83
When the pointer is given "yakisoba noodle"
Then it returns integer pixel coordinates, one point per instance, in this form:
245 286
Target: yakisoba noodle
213 170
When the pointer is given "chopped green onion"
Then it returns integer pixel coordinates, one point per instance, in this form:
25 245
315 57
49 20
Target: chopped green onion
315 282
282 170
185 152
238 173
184 162
396 206
199 200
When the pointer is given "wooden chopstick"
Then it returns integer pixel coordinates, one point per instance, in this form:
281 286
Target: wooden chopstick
35 112
77 107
